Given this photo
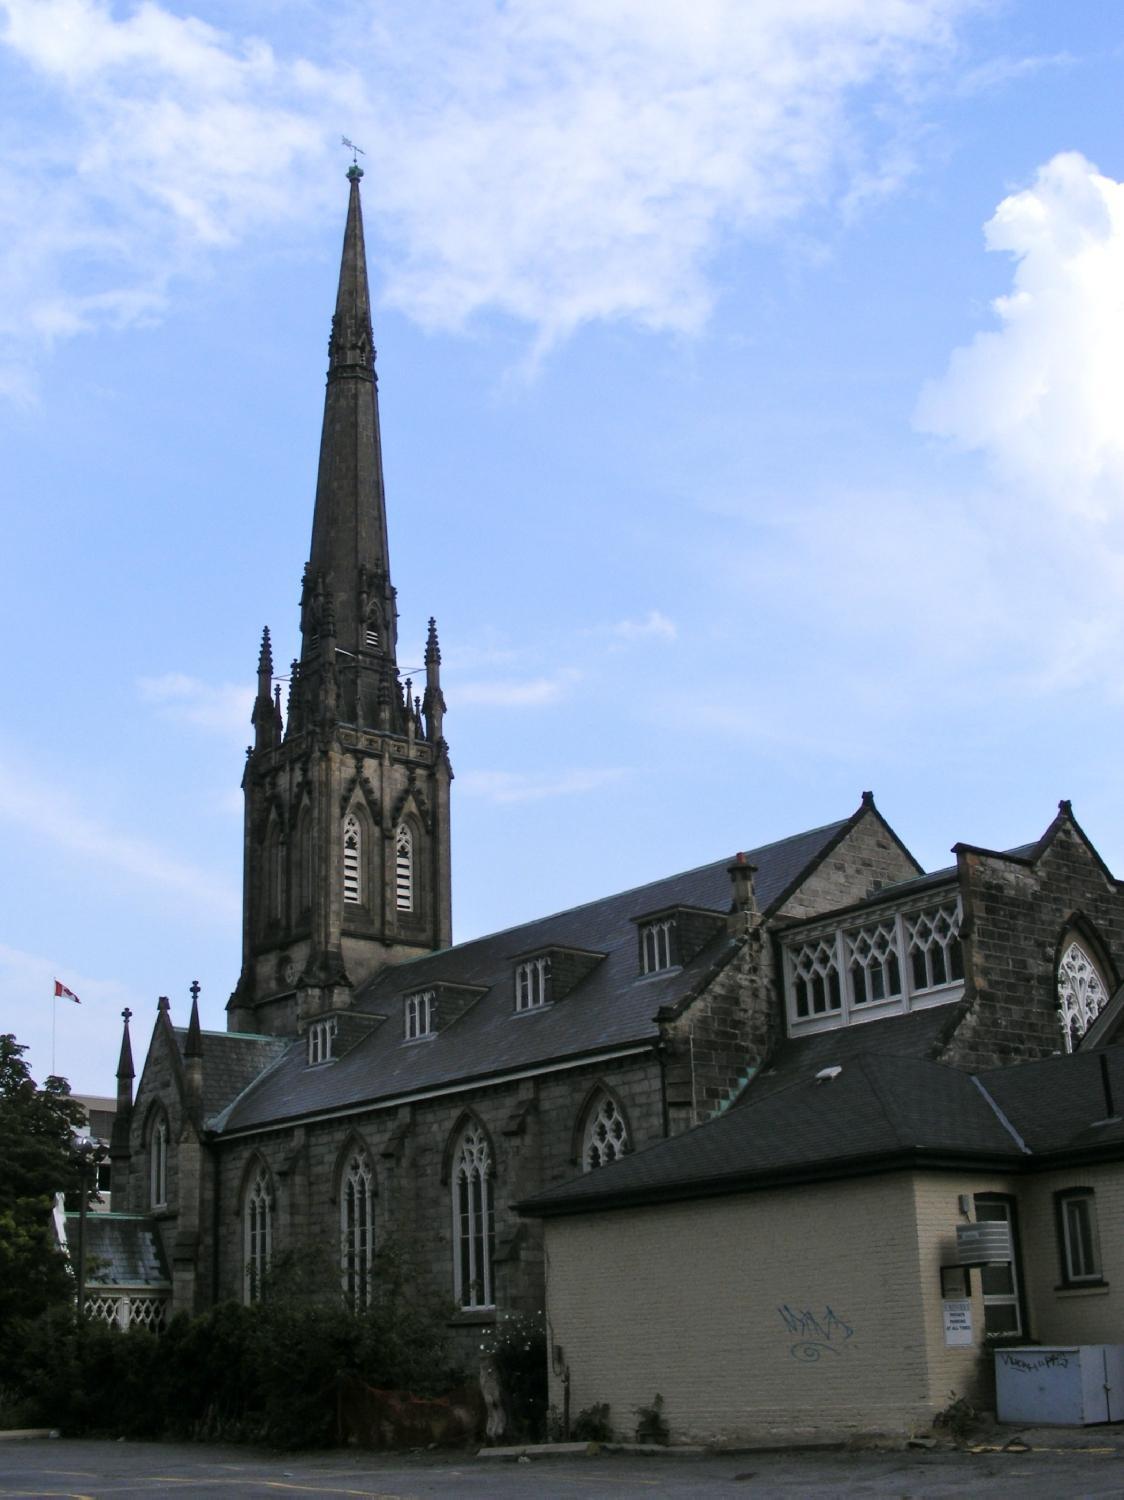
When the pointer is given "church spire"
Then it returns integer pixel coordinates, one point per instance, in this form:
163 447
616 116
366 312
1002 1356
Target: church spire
349 563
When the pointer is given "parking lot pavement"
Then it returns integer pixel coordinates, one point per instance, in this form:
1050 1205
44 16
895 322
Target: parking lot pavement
81 1469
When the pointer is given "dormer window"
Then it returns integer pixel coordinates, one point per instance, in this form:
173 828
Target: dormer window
321 1035
655 945
532 982
419 1016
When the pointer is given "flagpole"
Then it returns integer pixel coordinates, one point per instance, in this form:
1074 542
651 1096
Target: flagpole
54 1013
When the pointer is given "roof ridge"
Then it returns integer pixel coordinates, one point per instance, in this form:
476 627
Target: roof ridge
631 890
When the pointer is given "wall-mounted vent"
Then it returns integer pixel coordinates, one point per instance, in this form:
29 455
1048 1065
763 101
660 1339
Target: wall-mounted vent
825 1075
983 1244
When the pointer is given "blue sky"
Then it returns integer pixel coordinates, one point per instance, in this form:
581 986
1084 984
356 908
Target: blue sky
751 384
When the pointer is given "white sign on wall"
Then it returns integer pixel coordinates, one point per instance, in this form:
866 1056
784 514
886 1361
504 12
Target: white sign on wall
957 1321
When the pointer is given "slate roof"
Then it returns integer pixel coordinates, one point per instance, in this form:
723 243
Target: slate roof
122 1250
612 1007
880 1111
231 1061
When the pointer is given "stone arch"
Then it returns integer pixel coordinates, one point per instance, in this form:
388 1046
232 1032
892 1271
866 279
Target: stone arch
617 1140
156 1136
353 1141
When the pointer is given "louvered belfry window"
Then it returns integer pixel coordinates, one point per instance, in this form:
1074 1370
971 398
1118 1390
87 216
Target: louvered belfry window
404 868
352 860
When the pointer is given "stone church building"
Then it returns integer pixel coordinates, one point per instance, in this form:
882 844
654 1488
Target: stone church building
378 1082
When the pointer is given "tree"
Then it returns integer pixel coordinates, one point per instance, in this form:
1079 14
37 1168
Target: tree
36 1162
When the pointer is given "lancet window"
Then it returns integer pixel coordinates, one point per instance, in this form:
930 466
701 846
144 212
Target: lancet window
357 1229
419 1015
532 982
606 1134
474 1230
404 868
656 945
158 1163
1082 994
257 1235
352 860
321 1036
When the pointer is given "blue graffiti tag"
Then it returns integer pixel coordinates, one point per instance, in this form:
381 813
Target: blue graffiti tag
815 1336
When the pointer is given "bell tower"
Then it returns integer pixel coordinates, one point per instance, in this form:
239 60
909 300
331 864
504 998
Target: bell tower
346 850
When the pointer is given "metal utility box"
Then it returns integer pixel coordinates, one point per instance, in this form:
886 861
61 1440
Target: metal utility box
1070 1387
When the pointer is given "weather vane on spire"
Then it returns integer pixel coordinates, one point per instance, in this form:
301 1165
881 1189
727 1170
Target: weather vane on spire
356 151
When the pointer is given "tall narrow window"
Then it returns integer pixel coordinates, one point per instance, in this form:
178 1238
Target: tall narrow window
321 1035
473 1221
371 637
352 860
1082 994
158 1164
1077 1233
274 871
357 1229
404 868
419 1015
304 863
1000 1282
606 1135
257 1235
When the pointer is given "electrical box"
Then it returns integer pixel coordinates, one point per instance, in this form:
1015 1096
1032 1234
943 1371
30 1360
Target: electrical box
1070 1387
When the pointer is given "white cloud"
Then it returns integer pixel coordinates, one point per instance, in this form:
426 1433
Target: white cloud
53 814
526 786
1041 396
224 707
554 160
531 692
652 626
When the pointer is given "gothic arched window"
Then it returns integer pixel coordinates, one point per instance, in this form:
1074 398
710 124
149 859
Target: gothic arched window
352 859
357 1228
404 868
372 636
1082 993
158 1163
274 868
304 862
257 1234
606 1134
474 1231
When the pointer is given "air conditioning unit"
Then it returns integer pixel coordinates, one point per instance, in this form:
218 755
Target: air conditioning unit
984 1243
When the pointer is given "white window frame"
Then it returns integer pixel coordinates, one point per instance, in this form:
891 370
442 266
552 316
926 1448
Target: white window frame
1081 1246
257 1235
656 945
419 1016
992 1211
1082 993
404 867
352 840
357 1230
829 954
321 1035
532 983
158 1163
605 1138
474 1232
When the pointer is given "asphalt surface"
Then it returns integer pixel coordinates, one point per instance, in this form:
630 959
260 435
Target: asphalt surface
1043 1465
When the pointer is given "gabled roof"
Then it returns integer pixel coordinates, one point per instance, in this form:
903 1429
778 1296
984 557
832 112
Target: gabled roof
612 1008
231 1061
878 1112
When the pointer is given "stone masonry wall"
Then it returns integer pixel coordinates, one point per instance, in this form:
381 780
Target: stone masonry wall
1015 915
866 858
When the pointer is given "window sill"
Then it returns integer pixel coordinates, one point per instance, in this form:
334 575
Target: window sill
472 1317
1082 1289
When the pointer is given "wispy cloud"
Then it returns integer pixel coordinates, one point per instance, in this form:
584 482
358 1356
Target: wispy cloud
527 786
558 161
223 708
52 812
654 626
530 692
1041 396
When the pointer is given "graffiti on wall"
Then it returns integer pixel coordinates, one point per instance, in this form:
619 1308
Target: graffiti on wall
816 1334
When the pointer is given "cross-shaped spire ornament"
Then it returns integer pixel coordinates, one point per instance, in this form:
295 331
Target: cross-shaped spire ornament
193 989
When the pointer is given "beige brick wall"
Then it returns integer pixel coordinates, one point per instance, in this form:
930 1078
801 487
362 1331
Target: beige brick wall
1058 1315
800 1312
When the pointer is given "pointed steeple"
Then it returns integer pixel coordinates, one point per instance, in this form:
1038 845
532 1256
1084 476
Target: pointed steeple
262 718
349 562
125 1073
194 1045
434 702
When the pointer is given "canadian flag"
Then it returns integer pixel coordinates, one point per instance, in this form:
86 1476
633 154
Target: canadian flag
62 992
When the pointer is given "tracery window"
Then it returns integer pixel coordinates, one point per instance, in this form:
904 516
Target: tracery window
933 939
158 1164
257 1235
655 945
404 868
815 985
357 1229
606 1134
875 969
352 860
419 1015
1082 994
473 1221
532 982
